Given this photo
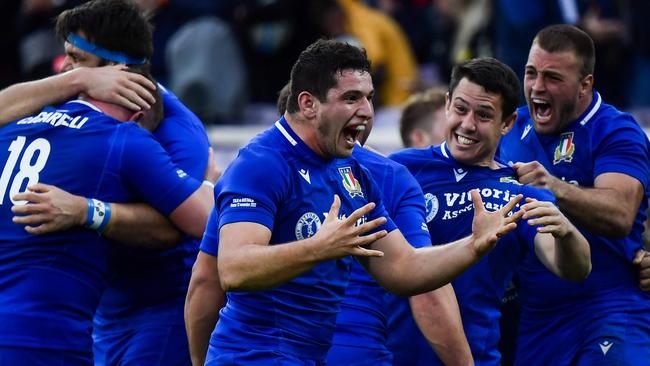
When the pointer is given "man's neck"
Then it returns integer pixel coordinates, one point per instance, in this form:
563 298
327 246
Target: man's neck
306 131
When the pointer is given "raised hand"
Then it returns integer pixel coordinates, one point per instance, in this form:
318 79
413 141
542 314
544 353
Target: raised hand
114 84
488 227
547 216
340 238
48 209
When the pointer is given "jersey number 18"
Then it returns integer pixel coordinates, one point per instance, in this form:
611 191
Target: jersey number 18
27 170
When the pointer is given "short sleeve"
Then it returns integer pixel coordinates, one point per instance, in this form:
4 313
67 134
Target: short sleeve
410 212
622 147
251 188
149 172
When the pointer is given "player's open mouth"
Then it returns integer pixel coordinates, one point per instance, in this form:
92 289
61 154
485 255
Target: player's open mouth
353 132
462 140
541 109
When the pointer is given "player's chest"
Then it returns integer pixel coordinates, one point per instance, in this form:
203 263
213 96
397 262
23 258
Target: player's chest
448 202
570 157
312 195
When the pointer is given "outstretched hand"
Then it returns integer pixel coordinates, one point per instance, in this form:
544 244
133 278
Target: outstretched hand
488 227
338 238
48 209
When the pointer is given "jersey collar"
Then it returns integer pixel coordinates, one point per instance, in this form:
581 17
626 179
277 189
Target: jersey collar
295 141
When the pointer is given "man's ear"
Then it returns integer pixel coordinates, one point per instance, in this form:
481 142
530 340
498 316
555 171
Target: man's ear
586 85
308 104
137 116
508 123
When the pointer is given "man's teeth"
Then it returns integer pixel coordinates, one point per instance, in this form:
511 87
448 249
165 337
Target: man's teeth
361 128
465 141
539 101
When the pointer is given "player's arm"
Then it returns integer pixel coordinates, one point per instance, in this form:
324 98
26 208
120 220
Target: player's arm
609 208
559 245
438 317
406 271
248 263
109 83
51 209
204 299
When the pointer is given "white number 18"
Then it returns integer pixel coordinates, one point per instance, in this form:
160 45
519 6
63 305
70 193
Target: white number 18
27 170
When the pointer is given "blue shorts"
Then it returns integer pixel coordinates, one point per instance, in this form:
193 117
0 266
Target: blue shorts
12 356
359 356
148 344
252 357
616 338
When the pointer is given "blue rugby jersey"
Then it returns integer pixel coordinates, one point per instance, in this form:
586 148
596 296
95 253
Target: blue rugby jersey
50 284
149 286
446 184
362 321
279 182
601 140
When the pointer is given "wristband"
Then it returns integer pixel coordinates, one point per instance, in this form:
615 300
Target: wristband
99 214
208 183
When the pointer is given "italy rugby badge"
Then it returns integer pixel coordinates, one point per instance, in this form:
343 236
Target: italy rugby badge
350 183
564 150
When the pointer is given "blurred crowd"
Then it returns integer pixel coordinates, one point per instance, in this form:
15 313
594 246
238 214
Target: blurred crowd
224 57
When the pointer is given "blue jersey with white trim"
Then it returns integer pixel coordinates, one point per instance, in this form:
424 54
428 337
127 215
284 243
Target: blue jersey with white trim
50 284
142 279
601 140
446 184
279 182
362 321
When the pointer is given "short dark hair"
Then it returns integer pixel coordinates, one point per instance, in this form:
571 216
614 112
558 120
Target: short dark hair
416 110
494 76
116 25
565 37
316 68
283 97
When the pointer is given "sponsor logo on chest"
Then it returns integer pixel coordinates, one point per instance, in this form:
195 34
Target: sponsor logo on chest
457 203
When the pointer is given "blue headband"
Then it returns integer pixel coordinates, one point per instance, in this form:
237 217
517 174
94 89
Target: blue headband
94 49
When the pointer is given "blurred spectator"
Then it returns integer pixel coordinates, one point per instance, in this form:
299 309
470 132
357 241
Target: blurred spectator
38 46
423 119
394 67
603 21
515 23
638 13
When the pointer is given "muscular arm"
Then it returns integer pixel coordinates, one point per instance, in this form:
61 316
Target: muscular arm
438 317
51 209
406 271
109 84
608 208
204 299
247 262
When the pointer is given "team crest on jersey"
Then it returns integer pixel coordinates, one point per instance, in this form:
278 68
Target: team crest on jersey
564 150
307 225
431 204
350 183
509 180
